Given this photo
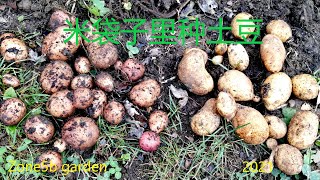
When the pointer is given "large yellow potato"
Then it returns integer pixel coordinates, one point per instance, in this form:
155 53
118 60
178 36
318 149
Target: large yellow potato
279 28
251 125
235 25
288 159
276 90
303 129
272 53
192 72
238 57
305 86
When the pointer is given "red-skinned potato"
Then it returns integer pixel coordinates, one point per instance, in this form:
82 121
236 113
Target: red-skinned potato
59 18
226 105
279 28
82 98
12 111
277 127
10 80
82 81
158 121
39 129
220 49
13 50
131 69
238 57
288 159
305 86
235 25
105 81
82 65
145 93
60 104
114 112
98 103
149 141
49 161
192 71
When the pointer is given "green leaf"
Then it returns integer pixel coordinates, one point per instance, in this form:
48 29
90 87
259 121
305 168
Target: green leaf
36 111
288 113
317 143
21 18
11 131
307 157
314 175
112 170
9 158
3 150
9 93
125 156
275 172
94 10
2 171
114 164
118 175
306 170
24 145
283 176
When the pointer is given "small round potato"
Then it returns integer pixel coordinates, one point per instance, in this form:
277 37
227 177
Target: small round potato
207 119
251 125
235 25
102 56
82 65
99 100
288 159
105 81
237 84
238 57
80 133
303 129
82 81
272 53
59 145
276 90
59 18
56 76
145 93
82 98
50 161
226 105
158 121
149 141
132 69
13 50
279 28
277 127
10 80
12 111
220 49
60 104
39 129
271 143
305 86
114 112
192 72
216 60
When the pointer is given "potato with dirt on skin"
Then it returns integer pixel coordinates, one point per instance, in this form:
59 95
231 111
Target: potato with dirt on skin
82 98
305 86
82 81
56 76
59 145
192 71
276 90
238 57
250 125
59 18
39 129
13 50
60 104
10 80
49 161
145 93
131 69
226 105
12 111
98 103
158 121
277 127
220 49
288 159
6 36
273 53
55 48
102 56
114 112
303 129
82 65
105 81
279 28
235 25
206 120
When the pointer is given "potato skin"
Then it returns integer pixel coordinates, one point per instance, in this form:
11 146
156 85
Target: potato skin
235 25
237 84
105 81
279 28
145 93
99 100
82 81
238 57
132 69
56 76
80 133
158 121
82 65
102 56
305 86
273 53
47 158
10 80
226 105
276 90
206 120
13 50
39 129
303 129
59 145
59 18
82 98
60 104
12 111
255 128
288 159
192 72
114 112
220 49
277 127
149 141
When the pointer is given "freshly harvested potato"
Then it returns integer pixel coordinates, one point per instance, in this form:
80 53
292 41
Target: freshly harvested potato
54 47
145 93
82 81
271 143
305 86
59 145
216 60
158 121
226 105
149 141
102 56
13 50
114 112
49 161
105 81
220 49
279 28
277 127
60 104
235 25
276 90
82 98
99 100
207 119
12 111
238 57
251 125
10 80
82 65
288 159
192 71
56 76
272 53
59 18
131 69
237 84
39 129
303 129
6 36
